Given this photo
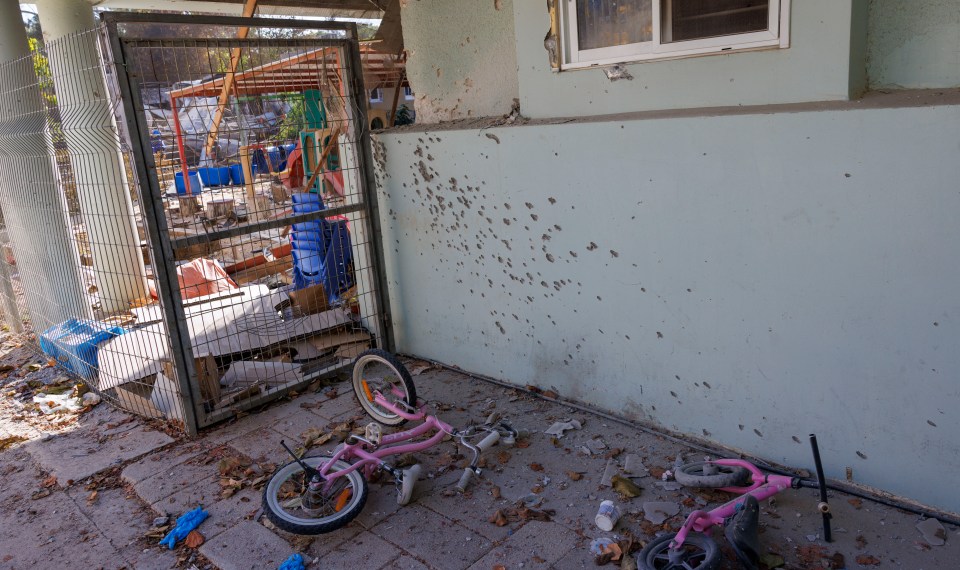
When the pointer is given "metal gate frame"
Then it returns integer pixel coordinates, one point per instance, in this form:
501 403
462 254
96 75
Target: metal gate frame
134 126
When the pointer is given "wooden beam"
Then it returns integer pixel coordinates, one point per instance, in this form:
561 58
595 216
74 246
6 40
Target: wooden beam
396 98
249 7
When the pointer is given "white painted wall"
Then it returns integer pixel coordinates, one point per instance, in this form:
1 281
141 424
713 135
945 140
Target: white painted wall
914 44
754 278
461 57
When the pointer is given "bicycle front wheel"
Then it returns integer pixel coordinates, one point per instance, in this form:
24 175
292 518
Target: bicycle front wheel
289 504
379 371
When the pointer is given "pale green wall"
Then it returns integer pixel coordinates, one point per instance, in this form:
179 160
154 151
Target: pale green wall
816 67
461 57
914 44
802 273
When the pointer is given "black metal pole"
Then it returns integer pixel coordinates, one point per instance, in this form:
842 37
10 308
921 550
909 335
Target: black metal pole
823 507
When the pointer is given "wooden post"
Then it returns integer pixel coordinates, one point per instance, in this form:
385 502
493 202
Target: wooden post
249 7
396 98
247 166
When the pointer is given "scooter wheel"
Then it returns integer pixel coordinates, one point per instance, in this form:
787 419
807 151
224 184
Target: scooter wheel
698 552
707 475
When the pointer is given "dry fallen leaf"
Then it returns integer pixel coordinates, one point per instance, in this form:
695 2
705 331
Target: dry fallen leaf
495 492
50 481
499 519
194 539
857 503
625 486
536 467
574 476
92 497
867 560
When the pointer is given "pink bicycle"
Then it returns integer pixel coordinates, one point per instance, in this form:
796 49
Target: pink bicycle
691 548
316 495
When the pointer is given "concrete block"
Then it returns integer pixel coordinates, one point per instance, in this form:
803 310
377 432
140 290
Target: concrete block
247 546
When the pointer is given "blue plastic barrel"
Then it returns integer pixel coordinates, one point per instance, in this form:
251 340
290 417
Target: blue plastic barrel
236 173
204 173
219 175
276 159
196 186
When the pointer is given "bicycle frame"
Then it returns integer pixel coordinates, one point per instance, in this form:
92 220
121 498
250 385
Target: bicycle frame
763 487
390 444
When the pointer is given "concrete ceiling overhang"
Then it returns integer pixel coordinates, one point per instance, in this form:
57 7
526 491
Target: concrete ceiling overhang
313 8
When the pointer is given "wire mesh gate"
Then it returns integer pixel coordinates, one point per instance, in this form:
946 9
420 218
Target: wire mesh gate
189 221
253 156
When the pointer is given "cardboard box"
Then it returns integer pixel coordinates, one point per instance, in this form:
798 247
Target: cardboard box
309 300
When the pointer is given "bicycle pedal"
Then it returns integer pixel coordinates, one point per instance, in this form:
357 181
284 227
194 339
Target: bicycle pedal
372 433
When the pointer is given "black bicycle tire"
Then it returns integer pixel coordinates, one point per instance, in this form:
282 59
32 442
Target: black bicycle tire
729 476
408 386
712 558
279 518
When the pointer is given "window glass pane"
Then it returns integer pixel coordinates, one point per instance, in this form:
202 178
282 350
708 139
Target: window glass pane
696 19
605 23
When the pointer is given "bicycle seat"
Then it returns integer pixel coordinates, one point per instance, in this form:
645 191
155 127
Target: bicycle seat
741 533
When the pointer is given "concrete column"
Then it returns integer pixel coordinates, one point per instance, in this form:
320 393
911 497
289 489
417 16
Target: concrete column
34 209
91 133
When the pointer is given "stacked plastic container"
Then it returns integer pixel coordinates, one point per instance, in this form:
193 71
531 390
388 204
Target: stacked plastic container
321 249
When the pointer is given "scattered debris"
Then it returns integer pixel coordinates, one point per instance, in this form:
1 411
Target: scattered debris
633 465
558 428
596 446
9 441
933 532
187 522
194 539
659 511
772 560
617 72
607 516
608 473
625 487
574 475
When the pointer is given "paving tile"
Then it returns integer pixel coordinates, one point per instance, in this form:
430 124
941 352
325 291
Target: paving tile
472 509
293 426
121 518
381 503
262 445
224 513
247 424
172 480
246 546
321 544
159 558
405 562
364 550
536 545
435 539
153 463
78 454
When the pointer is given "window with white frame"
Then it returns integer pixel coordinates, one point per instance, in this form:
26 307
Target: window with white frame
376 95
600 32
407 93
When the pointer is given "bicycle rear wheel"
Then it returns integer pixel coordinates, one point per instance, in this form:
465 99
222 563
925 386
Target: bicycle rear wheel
289 505
379 371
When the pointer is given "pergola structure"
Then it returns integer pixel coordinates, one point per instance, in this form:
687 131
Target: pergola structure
315 69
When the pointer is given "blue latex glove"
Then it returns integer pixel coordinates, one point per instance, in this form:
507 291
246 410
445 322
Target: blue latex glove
188 521
295 562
